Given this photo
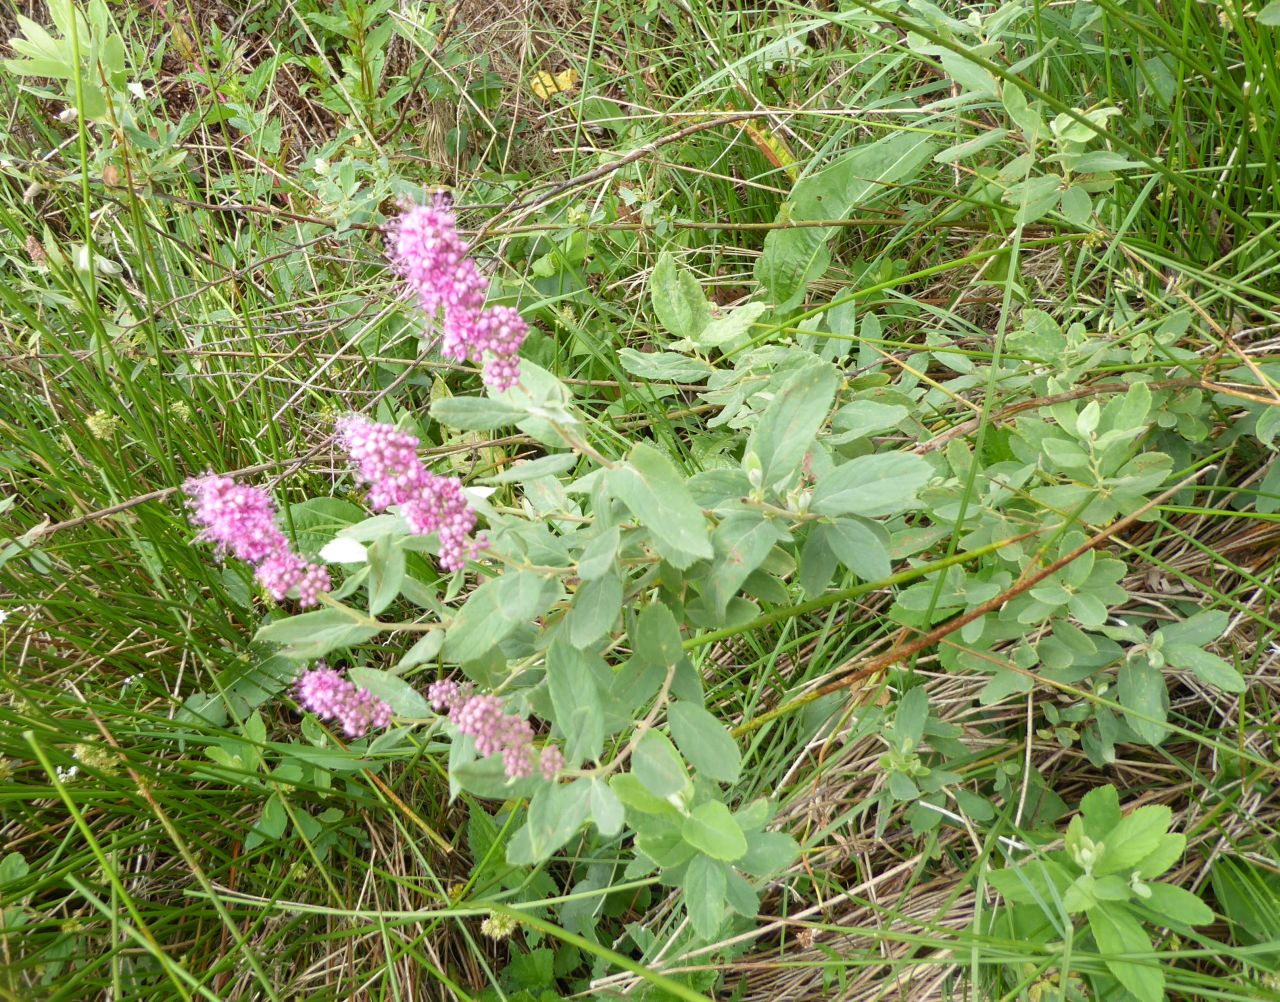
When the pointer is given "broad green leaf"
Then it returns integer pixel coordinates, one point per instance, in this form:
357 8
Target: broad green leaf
527 470
599 554
664 366
576 699
386 573
1170 902
768 853
1137 836
912 714
426 649
790 423
741 541
606 809
678 300
494 610
316 521
632 792
705 742
312 635
556 812
404 699
649 485
1100 808
882 484
657 765
1118 932
704 895
1143 693
864 418
973 78
657 636
1270 14
477 413
735 324
794 257
595 607
1208 668
710 829
861 546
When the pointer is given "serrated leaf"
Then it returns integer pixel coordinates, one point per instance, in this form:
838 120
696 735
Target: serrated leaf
659 498
404 699
883 484
705 742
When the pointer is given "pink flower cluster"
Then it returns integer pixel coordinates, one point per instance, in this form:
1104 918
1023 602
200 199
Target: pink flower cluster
431 257
387 461
495 731
329 696
241 520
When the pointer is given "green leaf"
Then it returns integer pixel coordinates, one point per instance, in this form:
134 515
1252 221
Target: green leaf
386 573
1178 904
1142 692
526 470
595 608
404 699
768 853
1118 932
556 812
787 428
1208 668
794 257
678 300
657 765
704 895
883 484
710 829
599 554
635 795
312 635
742 541
657 636
606 808
664 366
494 611
1270 14
911 716
861 546
576 700
1137 836
318 520
727 329
476 413
655 493
423 651
705 742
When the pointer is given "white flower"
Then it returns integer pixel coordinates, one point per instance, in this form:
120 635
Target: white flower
344 551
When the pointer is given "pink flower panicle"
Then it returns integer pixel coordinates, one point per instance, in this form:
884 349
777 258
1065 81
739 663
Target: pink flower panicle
428 253
495 731
387 461
329 696
241 520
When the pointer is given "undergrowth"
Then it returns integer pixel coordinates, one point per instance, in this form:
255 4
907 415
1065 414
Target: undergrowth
881 523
